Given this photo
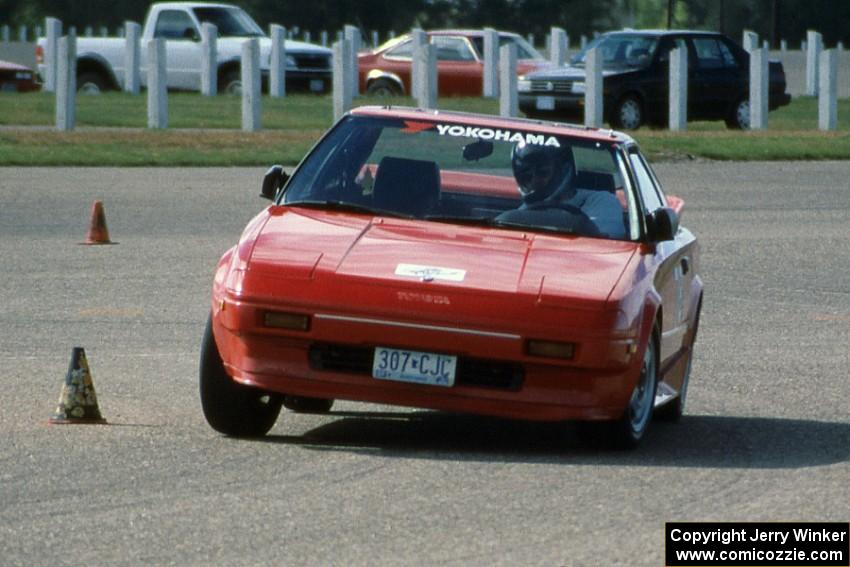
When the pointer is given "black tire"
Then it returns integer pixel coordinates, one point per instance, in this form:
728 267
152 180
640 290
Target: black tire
628 113
302 404
673 411
383 87
91 83
230 407
738 117
628 431
231 83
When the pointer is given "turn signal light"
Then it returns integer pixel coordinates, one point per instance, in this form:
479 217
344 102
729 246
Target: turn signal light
289 321
550 349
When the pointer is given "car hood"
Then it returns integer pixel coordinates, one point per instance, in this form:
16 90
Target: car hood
316 256
291 45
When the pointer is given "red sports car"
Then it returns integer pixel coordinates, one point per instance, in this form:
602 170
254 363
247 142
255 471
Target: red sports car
458 262
460 68
16 78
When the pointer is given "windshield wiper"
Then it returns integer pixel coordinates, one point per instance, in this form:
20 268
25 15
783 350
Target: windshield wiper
462 219
337 205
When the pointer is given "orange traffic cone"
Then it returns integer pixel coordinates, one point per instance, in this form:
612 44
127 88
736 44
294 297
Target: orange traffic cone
98 233
78 402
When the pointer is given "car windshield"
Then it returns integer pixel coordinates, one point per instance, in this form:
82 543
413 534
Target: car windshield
231 22
621 50
441 170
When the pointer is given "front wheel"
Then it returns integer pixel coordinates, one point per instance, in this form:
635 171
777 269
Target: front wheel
382 88
628 113
230 407
628 431
232 83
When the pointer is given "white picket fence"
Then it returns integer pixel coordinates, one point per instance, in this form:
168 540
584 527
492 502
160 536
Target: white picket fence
499 77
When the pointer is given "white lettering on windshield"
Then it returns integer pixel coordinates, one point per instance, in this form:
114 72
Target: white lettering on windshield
500 135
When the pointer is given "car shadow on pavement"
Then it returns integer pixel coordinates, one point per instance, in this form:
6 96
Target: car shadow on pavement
696 441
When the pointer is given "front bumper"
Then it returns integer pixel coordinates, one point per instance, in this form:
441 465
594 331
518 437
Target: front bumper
333 359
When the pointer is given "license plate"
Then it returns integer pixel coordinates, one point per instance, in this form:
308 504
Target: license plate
545 103
414 366
317 85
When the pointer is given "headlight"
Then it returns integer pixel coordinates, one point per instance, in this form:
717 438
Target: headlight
290 61
578 87
523 85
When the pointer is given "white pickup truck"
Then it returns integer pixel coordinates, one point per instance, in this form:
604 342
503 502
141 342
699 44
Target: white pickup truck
100 61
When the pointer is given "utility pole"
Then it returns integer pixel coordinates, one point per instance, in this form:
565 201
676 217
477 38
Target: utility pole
722 16
775 17
671 4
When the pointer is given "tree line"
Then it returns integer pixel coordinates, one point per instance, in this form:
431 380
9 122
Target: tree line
772 19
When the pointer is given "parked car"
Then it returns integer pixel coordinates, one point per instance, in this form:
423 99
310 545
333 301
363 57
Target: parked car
16 78
100 61
636 80
386 71
458 262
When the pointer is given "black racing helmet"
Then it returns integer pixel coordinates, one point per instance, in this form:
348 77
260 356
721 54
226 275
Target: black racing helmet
540 170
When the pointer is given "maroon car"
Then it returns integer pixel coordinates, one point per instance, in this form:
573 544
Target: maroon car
460 67
16 78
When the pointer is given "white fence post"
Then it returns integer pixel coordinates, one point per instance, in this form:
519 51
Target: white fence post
22 33
679 89
750 40
593 89
209 59
341 85
491 63
352 34
375 38
418 39
277 72
323 38
5 33
828 91
558 45
508 98
132 56
251 86
758 89
427 81
157 85
66 87
53 29
814 45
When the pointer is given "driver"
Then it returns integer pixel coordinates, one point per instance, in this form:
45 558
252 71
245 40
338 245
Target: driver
545 176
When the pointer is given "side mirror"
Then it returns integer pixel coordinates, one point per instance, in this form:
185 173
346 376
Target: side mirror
274 179
191 33
477 150
662 224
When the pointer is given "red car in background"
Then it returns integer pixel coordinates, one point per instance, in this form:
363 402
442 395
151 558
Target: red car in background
16 78
458 262
460 68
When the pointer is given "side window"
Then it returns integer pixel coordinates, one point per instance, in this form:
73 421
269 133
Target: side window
172 24
650 193
727 55
708 53
452 49
403 50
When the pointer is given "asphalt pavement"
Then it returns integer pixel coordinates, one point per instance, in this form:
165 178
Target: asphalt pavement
766 435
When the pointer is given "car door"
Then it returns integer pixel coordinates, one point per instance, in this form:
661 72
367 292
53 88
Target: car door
183 48
460 72
717 81
671 261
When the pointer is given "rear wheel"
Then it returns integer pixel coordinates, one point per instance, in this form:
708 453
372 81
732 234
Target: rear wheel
230 407
383 87
739 115
231 83
90 83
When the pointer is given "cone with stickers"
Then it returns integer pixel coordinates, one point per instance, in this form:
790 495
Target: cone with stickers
78 402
